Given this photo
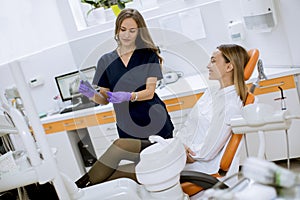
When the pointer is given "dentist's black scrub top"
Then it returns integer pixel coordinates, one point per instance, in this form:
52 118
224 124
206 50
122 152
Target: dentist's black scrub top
138 119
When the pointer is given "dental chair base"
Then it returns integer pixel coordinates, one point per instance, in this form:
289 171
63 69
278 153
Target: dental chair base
124 188
159 178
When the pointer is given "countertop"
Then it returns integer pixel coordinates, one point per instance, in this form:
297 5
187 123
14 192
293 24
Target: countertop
184 86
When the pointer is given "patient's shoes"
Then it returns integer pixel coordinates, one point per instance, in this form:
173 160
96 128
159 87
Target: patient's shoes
84 181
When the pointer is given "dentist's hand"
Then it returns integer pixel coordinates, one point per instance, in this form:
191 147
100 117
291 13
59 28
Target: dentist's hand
118 97
86 89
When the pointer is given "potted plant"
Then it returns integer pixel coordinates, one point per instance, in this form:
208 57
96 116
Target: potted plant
105 4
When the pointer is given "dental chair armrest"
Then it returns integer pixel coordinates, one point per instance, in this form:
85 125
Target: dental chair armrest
193 182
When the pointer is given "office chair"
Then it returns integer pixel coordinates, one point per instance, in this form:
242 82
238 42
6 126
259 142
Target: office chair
194 182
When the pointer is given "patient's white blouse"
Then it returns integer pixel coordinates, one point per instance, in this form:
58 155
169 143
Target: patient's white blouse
206 130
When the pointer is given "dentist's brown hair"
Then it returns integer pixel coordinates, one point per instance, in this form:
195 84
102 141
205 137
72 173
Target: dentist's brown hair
143 39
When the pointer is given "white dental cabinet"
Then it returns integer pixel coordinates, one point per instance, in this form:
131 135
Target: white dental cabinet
97 124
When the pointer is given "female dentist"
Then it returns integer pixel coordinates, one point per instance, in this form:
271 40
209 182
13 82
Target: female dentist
127 78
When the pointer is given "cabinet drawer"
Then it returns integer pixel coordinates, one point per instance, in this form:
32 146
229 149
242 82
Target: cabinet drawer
53 127
80 122
106 117
91 120
99 152
179 116
73 124
271 85
181 103
103 142
103 130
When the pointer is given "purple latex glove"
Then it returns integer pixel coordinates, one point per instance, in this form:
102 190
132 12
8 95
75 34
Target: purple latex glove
118 97
86 89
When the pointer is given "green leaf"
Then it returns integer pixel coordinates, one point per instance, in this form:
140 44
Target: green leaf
88 12
95 4
121 4
106 3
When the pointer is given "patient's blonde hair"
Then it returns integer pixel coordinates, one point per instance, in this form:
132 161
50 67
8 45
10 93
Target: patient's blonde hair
238 57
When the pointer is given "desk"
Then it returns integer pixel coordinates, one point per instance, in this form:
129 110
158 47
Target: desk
65 130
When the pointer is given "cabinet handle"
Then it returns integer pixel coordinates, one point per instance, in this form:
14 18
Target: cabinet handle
183 116
111 129
178 124
75 123
272 85
108 116
176 104
48 128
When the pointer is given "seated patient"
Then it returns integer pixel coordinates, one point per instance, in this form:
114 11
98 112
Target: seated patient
204 133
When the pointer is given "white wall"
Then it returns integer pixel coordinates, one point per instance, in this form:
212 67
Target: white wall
278 48
29 26
33 32
47 27
290 15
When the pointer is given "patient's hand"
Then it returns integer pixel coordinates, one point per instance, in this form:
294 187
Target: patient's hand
189 154
189 158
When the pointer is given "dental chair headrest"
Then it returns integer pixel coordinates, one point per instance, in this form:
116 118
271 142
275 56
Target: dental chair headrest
253 54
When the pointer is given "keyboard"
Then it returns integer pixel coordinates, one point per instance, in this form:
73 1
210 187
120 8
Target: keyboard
79 107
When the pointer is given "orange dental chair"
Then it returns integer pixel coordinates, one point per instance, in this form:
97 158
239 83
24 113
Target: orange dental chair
194 182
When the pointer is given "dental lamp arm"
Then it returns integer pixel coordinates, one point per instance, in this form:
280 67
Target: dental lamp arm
261 76
260 68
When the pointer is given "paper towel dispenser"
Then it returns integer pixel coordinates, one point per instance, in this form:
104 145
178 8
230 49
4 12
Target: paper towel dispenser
259 15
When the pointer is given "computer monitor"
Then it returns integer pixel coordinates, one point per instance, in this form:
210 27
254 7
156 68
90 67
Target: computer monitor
68 83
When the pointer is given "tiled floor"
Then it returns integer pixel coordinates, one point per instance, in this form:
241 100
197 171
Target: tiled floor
294 164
